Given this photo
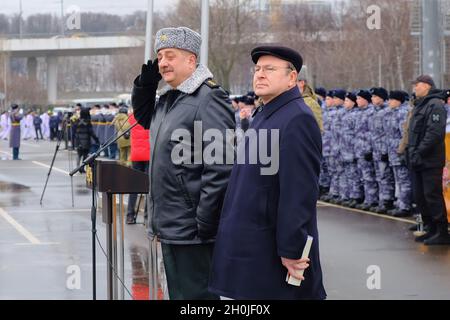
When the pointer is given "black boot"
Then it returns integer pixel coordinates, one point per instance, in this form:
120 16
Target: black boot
430 233
389 205
131 219
441 236
368 207
355 203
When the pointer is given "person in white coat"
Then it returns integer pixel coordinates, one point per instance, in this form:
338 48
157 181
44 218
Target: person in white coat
4 126
45 125
28 130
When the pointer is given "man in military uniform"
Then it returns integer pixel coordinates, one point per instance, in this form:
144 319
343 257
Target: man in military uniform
426 158
394 132
383 172
325 174
186 195
338 181
352 194
96 119
364 150
321 94
14 135
310 98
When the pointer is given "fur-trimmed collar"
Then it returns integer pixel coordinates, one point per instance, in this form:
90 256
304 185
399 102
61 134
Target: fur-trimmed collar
191 84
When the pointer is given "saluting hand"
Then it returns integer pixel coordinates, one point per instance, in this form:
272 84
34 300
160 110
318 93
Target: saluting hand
150 75
295 266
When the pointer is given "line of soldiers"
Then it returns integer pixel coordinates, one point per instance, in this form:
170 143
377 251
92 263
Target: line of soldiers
103 127
363 162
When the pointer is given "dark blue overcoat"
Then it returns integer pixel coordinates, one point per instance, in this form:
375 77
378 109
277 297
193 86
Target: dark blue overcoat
266 217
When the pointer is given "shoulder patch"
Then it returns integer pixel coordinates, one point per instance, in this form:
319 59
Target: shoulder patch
212 84
436 117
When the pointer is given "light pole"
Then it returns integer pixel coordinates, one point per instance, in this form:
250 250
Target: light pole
204 33
62 17
20 19
149 32
431 37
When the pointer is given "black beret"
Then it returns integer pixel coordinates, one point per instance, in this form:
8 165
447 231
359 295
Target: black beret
365 95
14 106
397 95
351 96
321 92
380 92
284 53
123 109
406 94
249 101
339 93
330 93
447 93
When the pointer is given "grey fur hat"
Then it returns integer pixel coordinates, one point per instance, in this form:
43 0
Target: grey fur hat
180 38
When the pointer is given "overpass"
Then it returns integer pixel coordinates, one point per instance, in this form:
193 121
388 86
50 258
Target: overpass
52 48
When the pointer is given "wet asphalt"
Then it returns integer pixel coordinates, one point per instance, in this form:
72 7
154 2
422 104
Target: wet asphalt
364 256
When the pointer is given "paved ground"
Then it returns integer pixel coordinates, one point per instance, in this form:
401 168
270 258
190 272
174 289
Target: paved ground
39 245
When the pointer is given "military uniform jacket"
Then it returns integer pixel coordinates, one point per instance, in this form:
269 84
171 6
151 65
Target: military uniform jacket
426 135
185 200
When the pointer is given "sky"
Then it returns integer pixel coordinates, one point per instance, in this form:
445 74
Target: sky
30 7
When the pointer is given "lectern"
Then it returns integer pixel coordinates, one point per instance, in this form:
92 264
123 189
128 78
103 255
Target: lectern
112 178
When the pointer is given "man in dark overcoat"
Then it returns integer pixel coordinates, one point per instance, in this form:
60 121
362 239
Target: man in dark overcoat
270 207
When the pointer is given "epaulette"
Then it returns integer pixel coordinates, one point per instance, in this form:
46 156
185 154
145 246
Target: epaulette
212 84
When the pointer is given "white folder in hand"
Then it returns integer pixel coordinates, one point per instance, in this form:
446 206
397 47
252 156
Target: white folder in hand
291 280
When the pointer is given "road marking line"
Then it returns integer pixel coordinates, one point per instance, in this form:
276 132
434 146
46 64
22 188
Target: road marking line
53 211
38 244
48 167
367 213
24 232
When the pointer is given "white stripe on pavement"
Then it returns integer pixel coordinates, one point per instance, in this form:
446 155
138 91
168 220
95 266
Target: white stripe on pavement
24 232
48 167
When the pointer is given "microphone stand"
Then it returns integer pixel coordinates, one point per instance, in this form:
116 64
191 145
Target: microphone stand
91 162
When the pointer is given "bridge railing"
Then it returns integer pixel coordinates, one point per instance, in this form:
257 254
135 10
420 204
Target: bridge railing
73 34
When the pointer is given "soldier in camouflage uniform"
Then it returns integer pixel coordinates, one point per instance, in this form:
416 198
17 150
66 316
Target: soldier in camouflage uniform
325 177
336 165
364 151
383 171
351 192
394 132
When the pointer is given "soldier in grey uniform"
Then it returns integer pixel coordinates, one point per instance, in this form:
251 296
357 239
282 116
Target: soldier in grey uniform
351 192
336 166
364 151
383 171
394 130
325 176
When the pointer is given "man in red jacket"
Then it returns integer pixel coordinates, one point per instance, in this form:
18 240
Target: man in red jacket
140 157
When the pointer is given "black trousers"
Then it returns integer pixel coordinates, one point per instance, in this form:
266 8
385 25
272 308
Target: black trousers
187 271
38 131
82 155
427 189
